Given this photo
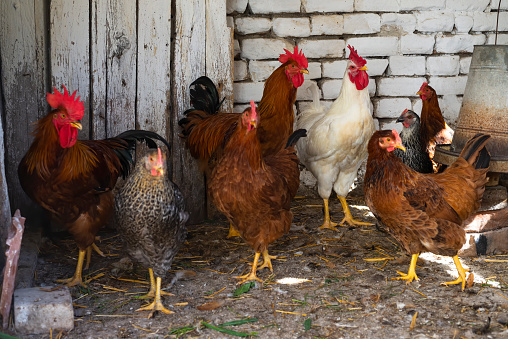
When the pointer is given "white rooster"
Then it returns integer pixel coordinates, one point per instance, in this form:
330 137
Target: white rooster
336 143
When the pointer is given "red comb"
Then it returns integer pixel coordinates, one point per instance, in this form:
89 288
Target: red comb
354 57
405 111
425 84
253 110
299 57
159 155
72 105
397 137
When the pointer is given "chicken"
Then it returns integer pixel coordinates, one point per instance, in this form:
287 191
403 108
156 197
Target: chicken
207 132
336 143
434 130
425 212
416 155
255 192
150 217
73 179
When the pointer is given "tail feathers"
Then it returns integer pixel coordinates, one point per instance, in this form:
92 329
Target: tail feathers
475 152
293 138
204 96
316 104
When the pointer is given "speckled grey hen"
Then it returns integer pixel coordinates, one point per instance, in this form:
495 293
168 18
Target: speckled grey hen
151 219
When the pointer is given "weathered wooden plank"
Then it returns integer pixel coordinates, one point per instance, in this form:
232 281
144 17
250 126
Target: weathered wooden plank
70 46
19 81
5 209
42 41
188 65
121 44
154 66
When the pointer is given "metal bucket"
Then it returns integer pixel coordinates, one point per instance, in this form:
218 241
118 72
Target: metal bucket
484 107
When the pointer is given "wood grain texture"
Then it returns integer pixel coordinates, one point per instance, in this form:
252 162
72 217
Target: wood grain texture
5 208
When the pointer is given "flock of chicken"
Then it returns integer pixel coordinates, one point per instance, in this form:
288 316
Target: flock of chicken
252 171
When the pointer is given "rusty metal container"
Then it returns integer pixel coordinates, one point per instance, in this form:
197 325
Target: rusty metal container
484 107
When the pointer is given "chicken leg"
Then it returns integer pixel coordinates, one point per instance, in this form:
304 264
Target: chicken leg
156 305
252 274
267 262
89 254
328 223
411 274
76 279
348 217
153 288
462 274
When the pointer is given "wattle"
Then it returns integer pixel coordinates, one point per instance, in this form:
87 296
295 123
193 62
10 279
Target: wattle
361 80
68 136
297 80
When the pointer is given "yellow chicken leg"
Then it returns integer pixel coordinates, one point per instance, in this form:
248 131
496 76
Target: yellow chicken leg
462 274
232 232
89 254
348 217
411 274
156 305
76 279
328 223
267 261
252 273
153 287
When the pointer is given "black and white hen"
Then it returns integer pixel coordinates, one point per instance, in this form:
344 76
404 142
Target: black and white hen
151 217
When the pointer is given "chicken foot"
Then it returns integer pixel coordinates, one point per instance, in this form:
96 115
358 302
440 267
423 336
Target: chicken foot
252 274
89 254
156 305
267 261
328 224
462 274
348 217
76 279
232 232
153 288
411 274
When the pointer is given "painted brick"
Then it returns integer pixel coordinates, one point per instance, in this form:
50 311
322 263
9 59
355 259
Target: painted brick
375 46
413 5
443 65
236 6
334 69
247 91
458 43
376 67
399 87
256 49
303 93
329 6
398 22
326 24
322 48
377 6
494 4
407 65
249 25
331 89
298 27
463 23
450 107
314 69
467 5
465 62
261 70
417 44
449 85
391 107
417 104
487 21
270 6
434 21
240 67
390 124
372 87
362 23
502 39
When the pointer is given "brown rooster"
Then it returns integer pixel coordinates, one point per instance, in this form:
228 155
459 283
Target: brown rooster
425 212
253 191
73 179
207 132
433 129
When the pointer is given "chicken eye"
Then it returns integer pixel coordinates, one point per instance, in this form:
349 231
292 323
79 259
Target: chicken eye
388 139
62 116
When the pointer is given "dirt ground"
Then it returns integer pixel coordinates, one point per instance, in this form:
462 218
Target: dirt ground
325 284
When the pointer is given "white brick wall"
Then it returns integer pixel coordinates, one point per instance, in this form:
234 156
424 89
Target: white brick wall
443 65
407 65
329 6
406 23
435 21
362 23
271 6
332 48
375 46
253 25
297 27
326 24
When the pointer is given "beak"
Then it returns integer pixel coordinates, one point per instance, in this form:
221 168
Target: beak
400 146
304 71
254 123
364 68
77 124
159 170
419 93
400 119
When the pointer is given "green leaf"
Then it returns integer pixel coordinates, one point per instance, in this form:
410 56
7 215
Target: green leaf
239 322
225 330
244 288
6 336
307 324
181 330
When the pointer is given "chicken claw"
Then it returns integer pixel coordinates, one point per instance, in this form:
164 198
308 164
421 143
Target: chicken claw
252 274
348 217
156 305
328 224
411 274
267 262
76 279
462 274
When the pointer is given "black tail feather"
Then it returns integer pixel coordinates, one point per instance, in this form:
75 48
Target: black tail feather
475 151
204 96
293 138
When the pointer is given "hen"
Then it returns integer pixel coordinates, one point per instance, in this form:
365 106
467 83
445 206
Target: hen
151 219
434 130
255 192
415 155
425 212
207 132
73 179
336 143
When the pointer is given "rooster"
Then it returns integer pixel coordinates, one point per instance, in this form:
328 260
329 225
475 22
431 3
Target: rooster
255 192
207 132
415 155
425 212
71 178
336 143
434 130
150 217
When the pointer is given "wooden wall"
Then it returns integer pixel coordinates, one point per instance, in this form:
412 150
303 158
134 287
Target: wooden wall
131 62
